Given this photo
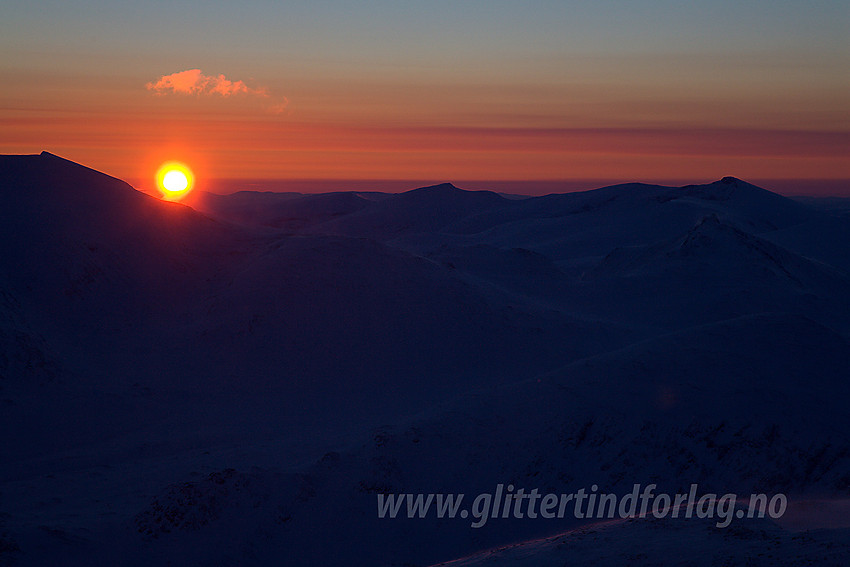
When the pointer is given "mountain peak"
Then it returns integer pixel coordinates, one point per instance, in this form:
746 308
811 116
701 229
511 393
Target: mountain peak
47 156
447 193
710 230
439 188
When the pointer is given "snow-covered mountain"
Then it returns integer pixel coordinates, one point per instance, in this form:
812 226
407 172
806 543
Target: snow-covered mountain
235 380
717 271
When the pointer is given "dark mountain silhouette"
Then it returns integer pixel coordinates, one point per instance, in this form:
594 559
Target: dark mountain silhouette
236 378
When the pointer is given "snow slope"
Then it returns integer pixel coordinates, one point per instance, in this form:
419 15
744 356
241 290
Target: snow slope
697 406
236 383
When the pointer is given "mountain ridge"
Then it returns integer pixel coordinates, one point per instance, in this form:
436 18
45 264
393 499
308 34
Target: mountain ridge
241 381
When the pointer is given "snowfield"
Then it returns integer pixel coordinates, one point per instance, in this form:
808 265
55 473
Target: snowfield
235 380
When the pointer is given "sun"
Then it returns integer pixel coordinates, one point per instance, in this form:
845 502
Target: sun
174 180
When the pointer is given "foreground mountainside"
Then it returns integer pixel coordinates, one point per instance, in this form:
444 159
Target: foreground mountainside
235 381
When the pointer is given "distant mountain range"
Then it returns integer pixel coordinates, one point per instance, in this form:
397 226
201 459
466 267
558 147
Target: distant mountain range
234 379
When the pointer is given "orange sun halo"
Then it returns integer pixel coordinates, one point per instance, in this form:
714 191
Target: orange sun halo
174 180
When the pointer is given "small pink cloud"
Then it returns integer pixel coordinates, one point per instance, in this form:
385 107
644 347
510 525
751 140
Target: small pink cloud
193 81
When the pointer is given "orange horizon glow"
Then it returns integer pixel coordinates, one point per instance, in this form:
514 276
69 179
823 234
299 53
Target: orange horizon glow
226 128
129 146
552 93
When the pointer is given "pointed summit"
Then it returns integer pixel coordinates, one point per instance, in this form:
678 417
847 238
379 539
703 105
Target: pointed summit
711 231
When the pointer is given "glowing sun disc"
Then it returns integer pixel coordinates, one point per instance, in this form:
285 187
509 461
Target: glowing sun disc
174 180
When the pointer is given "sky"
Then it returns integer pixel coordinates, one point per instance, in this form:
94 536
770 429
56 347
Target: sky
477 90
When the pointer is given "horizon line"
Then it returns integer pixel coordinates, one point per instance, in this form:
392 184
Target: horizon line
810 187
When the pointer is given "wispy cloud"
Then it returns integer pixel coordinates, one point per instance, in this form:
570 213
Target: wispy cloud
195 82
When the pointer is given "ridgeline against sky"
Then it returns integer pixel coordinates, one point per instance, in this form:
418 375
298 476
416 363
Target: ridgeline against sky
440 90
